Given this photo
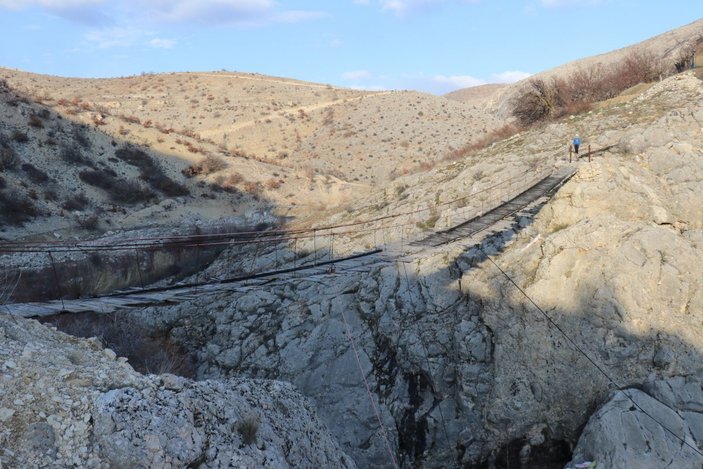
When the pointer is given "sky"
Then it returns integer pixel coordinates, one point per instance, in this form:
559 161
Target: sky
434 46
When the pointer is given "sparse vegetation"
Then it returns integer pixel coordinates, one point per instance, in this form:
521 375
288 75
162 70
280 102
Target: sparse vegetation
16 209
151 172
73 155
546 99
76 203
35 121
34 174
88 222
20 137
211 164
248 427
8 157
119 190
147 351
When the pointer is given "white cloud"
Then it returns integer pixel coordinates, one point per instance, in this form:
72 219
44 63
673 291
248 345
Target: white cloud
357 75
401 7
238 12
81 11
510 76
50 4
228 12
404 7
159 43
113 37
457 81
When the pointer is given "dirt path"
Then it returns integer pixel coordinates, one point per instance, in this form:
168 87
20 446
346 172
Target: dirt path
273 116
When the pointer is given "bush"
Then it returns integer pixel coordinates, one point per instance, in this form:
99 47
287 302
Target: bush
151 172
248 427
148 351
8 158
73 155
36 122
539 102
81 137
76 203
16 209
211 164
119 190
88 222
20 137
253 188
130 192
497 135
34 174
557 97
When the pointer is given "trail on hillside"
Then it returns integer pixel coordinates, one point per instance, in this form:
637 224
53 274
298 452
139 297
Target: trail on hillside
276 115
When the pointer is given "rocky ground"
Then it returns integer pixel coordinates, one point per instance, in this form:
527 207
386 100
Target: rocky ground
423 357
67 402
462 366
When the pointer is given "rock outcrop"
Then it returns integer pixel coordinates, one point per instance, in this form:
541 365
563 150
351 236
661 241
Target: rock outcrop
660 426
458 361
67 402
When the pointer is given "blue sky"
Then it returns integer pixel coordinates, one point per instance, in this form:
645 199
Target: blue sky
428 45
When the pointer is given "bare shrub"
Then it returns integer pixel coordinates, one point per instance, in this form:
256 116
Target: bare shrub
88 222
229 183
81 137
537 103
253 188
131 119
76 203
685 59
35 121
34 174
248 427
495 136
8 157
577 93
20 137
273 183
211 164
148 351
72 154
16 209
119 190
151 172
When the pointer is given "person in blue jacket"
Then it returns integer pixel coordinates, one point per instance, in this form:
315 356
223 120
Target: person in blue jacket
577 143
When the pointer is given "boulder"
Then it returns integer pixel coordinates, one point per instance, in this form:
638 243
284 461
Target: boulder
636 430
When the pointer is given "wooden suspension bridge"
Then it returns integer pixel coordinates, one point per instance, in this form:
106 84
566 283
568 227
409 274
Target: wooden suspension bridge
472 231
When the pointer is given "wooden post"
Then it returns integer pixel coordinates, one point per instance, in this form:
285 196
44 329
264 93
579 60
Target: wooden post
589 152
570 153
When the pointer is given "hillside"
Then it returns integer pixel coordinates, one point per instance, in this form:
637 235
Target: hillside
462 364
663 51
249 142
551 338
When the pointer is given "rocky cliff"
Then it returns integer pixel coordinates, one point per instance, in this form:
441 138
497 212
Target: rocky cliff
461 365
431 358
67 402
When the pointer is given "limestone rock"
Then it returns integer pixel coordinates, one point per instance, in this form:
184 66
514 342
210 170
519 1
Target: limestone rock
65 402
623 433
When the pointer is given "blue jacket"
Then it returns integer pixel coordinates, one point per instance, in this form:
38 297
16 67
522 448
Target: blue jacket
577 141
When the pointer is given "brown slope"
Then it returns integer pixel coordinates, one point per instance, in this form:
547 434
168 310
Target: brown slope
293 144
